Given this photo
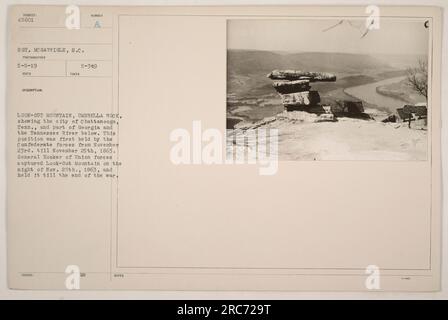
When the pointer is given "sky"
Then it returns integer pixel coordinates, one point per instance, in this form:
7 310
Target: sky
394 36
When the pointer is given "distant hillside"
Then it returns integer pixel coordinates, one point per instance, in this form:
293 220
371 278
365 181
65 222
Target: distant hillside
403 61
246 62
251 96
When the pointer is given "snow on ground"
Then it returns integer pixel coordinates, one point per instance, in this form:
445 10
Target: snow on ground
301 138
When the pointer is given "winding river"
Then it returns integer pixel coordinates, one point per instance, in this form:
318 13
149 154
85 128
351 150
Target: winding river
367 93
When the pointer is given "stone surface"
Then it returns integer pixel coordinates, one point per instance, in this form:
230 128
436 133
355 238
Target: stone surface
297 116
301 99
294 89
232 121
347 106
285 87
392 118
354 106
247 125
300 75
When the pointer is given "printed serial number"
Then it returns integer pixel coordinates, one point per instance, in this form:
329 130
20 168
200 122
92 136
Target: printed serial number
225 309
239 309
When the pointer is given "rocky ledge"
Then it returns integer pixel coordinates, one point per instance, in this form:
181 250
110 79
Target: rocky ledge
295 91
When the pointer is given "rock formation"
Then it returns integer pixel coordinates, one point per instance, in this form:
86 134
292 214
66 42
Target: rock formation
301 75
286 86
349 108
412 111
295 90
392 118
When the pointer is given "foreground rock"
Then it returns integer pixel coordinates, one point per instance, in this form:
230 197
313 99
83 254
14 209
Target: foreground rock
349 109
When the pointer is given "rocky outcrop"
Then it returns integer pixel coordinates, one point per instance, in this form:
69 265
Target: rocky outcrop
295 90
302 99
349 108
392 118
285 87
353 106
232 121
291 75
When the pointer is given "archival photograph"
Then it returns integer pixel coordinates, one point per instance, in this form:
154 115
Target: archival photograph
336 89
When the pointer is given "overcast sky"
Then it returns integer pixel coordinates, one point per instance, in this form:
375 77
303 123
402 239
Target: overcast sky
395 36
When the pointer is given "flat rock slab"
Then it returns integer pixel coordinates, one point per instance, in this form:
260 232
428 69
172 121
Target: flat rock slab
285 86
301 75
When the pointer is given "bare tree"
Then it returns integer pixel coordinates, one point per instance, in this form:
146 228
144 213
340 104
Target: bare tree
418 78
